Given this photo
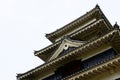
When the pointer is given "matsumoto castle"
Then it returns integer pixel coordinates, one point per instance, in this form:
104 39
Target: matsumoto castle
87 48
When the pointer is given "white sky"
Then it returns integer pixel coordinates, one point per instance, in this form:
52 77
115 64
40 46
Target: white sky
23 24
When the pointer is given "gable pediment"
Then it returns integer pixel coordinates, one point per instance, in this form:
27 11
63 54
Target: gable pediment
66 46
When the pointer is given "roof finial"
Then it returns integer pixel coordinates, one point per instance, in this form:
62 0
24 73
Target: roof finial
97 6
116 26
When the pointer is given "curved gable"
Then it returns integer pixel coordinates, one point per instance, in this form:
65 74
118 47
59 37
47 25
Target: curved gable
66 46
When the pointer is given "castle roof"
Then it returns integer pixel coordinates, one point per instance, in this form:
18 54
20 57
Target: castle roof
78 52
96 27
95 13
76 39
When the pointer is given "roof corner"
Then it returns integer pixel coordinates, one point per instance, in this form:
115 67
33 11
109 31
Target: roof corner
116 26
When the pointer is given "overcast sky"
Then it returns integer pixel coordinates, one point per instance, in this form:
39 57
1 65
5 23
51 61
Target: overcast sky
23 24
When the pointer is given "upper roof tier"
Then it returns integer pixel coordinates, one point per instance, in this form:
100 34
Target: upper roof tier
89 26
87 33
88 18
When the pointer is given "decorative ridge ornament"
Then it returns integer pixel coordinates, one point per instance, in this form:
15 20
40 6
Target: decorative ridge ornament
65 44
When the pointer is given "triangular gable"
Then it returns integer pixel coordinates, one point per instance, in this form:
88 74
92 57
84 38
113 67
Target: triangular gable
65 45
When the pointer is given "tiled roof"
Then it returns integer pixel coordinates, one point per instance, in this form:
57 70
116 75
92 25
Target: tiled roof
83 48
73 24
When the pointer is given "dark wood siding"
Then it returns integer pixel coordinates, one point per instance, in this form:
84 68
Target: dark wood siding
78 65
